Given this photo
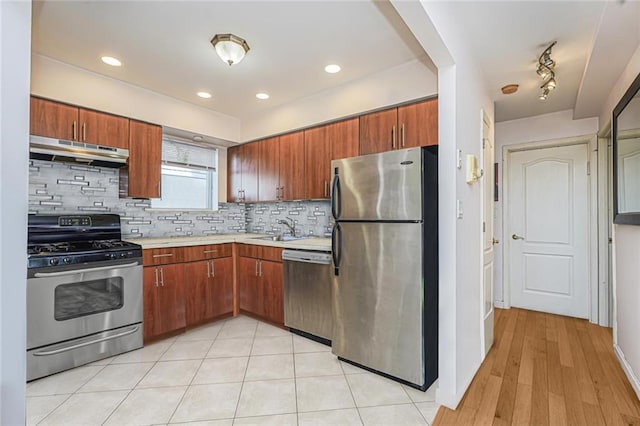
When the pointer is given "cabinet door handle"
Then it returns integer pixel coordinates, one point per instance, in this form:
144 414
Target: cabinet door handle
210 251
162 255
393 137
208 270
326 185
74 130
162 277
84 132
260 274
156 277
402 134
213 269
282 192
256 268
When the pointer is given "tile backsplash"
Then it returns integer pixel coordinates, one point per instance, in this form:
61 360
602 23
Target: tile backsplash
66 188
310 217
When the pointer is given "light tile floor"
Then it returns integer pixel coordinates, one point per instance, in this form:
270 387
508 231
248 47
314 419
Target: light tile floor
233 372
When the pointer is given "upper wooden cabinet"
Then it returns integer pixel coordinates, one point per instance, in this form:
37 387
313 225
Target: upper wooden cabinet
321 145
145 160
292 167
62 121
242 173
379 131
398 128
53 119
103 129
297 165
281 168
418 124
269 169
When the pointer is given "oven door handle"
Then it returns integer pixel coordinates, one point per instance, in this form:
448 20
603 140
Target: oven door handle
83 344
82 271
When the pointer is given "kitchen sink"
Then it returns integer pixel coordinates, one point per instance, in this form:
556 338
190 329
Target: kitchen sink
280 238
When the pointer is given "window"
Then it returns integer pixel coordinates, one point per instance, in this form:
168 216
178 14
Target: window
189 177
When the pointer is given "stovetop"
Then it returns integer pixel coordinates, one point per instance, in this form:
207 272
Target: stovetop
81 253
68 240
78 247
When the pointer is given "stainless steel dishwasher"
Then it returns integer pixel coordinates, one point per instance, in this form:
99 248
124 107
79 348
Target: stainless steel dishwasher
307 293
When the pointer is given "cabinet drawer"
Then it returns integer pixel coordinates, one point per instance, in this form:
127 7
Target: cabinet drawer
210 251
162 256
260 252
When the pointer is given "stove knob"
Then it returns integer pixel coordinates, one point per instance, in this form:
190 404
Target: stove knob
53 261
123 254
112 255
67 260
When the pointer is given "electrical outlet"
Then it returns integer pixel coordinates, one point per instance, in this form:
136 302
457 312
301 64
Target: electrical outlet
459 209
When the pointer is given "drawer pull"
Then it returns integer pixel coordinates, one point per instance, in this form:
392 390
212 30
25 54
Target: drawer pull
210 251
162 255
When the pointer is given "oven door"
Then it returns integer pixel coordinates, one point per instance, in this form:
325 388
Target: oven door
67 304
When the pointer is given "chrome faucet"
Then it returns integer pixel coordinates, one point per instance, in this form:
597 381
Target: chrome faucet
291 226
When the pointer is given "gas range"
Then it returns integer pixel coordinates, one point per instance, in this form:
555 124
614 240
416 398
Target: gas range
73 240
84 292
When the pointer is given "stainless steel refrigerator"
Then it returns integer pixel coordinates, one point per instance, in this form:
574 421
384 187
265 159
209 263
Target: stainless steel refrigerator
385 260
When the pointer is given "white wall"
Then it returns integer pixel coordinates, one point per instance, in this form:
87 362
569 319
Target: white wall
462 95
15 36
412 80
546 127
626 246
63 82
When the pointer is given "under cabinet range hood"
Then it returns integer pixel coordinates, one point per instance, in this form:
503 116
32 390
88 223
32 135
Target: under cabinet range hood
50 149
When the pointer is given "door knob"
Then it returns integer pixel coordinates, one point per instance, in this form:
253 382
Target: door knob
494 241
517 237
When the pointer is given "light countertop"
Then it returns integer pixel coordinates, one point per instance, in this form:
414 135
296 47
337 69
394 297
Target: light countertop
311 243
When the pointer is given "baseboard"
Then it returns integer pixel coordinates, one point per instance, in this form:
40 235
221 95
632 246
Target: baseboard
500 304
633 379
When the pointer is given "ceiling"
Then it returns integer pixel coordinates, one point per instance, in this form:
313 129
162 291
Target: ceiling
165 46
596 40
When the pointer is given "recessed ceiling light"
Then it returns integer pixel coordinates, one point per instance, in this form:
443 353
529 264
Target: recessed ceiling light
262 96
332 68
205 95
111 61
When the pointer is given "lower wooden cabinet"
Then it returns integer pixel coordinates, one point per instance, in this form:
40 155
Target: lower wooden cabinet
208 289
187 286
260 285
271 275
164 307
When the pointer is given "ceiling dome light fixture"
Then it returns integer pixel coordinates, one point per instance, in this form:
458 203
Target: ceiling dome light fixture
545 70
204 95
230 48
262 96
509 89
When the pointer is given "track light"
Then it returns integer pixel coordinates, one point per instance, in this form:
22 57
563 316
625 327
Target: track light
545 69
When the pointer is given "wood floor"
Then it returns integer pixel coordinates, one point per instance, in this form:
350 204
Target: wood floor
547 369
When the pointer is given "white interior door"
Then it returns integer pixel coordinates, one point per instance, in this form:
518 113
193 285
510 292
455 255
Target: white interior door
548 230
487 232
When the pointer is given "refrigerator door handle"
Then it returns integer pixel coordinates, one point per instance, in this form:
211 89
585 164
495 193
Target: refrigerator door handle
336 248
335 197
